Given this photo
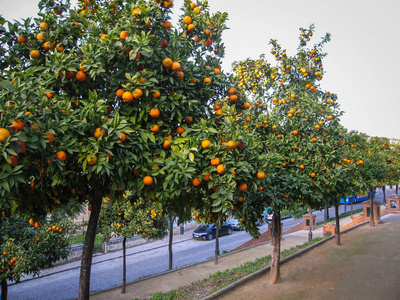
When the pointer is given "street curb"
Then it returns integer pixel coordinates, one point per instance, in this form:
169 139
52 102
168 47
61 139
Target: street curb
267 268
97 262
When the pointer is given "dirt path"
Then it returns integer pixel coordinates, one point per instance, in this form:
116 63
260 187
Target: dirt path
365 266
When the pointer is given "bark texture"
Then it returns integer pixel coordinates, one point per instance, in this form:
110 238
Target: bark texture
371 220
171 237
275 273
216 244
337 228
4 289
123 289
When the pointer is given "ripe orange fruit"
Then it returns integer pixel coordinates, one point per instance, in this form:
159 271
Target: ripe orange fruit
98 132
49 95
50 137
34 54
232 91
137 93
61 155
37 225
154 128
246 105
59 47
155 112
22 39
122 137
196 10
196 181
180 130
23 147
233 97
48 46
188 120
221 169
243 186
81 76
69 74
119 93
91 161
167 62
156 94
205 144
191 27
187 20
147 180
166 144
312 175
123 35
14 161
40 37
215 161
260 175
164 43
167 25
302 167
3 134
328 118
295 132
207 80
31 222
260 188
127 96
136 11
44 26
17 125
175 66
206 177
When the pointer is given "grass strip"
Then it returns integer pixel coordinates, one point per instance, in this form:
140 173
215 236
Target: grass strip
219 280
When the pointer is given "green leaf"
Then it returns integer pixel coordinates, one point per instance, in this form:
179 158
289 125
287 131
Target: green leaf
191 157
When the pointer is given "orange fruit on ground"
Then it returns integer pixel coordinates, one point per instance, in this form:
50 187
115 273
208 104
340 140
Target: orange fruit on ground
44 26
167 62
22 144
215 161
243 186
180 130
175 66
119 93
207 80
187 20
123 35
260 175
14 161
156 94
81 76
188 120
34 54
127 96
50 136
154 128
196 182
122 137
3 134
98 132
17 125
61 155
147 180
137 93
205 144
166 144
91 161
246 105
155 112
221 169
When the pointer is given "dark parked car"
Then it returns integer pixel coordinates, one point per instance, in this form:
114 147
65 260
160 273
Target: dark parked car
208 232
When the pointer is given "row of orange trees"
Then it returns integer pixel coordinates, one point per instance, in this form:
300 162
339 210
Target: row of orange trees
109 97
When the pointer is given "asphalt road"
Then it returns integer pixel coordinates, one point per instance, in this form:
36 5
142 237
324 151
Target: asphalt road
142 261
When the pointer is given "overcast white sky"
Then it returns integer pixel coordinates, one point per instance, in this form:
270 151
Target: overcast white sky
362 63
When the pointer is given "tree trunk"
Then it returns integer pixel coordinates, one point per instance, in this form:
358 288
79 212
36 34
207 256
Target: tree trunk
88 246
345 204
325 213
123 266
352 200
371 220
171 236
397 189
384 193
216 244
4 289
337 228
275 273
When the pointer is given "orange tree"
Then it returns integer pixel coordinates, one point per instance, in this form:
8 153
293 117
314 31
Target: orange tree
28 247
89 96
297 123
127 217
